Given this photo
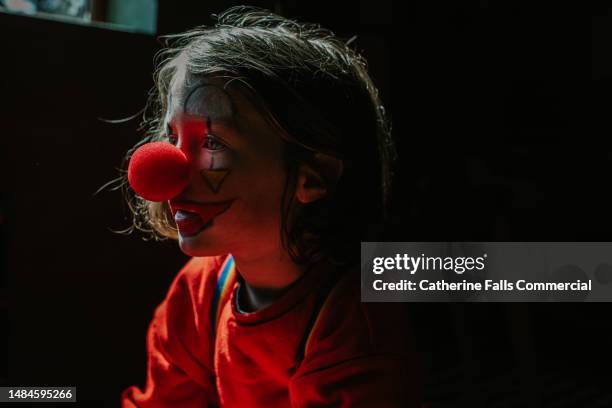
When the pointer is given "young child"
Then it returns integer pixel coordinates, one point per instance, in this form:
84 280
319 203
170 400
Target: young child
286 157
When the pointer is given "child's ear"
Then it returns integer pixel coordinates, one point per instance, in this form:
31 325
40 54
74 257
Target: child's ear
317 178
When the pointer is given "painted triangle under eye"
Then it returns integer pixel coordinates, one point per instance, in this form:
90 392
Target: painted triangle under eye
214 178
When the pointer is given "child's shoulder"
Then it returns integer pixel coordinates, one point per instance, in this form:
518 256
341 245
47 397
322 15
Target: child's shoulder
197 279
181 325
347 327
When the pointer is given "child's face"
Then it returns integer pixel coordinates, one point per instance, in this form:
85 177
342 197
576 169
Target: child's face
237 175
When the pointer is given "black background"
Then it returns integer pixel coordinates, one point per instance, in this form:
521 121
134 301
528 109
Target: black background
501 138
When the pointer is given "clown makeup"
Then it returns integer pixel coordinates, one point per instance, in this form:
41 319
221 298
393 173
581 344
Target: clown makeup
232 202
210 106
219 107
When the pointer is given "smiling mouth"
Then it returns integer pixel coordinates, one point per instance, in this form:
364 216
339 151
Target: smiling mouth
192 217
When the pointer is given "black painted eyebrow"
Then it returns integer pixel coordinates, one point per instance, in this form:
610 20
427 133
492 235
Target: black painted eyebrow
233 108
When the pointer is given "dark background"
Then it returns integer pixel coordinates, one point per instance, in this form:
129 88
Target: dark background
500 137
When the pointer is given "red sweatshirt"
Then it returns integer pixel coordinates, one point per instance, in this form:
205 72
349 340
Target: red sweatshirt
315 346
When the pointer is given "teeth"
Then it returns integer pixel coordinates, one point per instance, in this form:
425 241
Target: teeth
182 214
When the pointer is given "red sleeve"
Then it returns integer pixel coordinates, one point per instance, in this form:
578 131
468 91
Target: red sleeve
180 371
358 355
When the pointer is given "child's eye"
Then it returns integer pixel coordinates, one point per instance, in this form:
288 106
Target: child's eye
211 143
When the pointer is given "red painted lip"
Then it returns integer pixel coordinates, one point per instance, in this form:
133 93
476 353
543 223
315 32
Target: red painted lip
189 224
205 211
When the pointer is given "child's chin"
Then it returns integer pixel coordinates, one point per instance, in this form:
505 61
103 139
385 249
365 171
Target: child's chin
198 246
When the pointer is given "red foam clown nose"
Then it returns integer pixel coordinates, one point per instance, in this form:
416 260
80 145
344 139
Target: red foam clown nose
158 171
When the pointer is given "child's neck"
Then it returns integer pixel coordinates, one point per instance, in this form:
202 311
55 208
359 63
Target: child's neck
252 299
265 279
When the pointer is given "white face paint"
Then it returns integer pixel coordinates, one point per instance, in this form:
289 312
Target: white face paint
237 158
213 103
205 108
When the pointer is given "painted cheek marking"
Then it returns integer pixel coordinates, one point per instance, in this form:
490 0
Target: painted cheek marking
214 178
